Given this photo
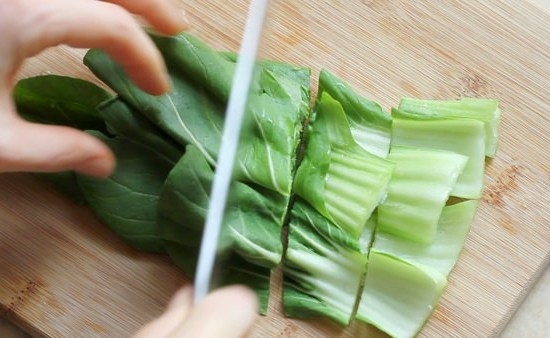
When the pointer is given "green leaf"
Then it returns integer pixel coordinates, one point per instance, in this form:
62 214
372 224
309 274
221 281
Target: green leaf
189 57
60 100
123 120
369 124
252 222
127 201
337 177
253 218
193 112
187 113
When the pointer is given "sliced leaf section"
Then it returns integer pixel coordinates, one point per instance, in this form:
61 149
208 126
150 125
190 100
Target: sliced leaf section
442 253
484 110
462 136
405 279
251 232
418 190
370 125
323 267
398 297
341 180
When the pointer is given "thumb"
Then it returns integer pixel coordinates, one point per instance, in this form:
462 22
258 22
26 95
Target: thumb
26 146
228 312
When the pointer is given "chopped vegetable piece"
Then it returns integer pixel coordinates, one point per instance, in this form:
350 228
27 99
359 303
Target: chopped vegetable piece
462 136
442 253
337 177
323 267
369 124
398 297
484 110
419 188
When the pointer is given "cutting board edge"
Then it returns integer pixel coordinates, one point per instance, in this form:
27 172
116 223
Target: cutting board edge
521 297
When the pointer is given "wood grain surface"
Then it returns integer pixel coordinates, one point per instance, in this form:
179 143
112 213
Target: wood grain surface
63 274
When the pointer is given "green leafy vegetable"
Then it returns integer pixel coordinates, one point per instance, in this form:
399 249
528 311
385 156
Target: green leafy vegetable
189 57
323 267
60 100
187 113
484 110
192 113
252 223
368 226
398 296
418 190
127 201
124 121
337 177
405 279
462 136
370 125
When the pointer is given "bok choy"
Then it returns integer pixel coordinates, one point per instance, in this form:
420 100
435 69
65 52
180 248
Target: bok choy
405 279
355 208
341 180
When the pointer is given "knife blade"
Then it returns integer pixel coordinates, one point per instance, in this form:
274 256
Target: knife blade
234 115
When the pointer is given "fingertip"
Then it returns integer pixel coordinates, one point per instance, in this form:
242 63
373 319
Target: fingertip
245 296
98 166
240 298
182 297
151 76
182 22
178 22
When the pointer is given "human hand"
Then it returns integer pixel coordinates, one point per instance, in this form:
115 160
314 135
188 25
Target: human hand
30 26
227 312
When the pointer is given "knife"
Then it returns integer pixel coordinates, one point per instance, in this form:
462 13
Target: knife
234 115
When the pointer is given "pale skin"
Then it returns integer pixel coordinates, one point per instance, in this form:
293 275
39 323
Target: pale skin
29 26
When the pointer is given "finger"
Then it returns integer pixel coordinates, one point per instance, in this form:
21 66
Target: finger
26 146
165 16
227 312
174 315
90 24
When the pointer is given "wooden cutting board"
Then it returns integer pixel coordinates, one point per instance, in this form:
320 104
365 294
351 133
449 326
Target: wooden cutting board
63 274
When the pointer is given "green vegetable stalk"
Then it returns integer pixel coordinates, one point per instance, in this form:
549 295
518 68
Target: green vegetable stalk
341 180
362 195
